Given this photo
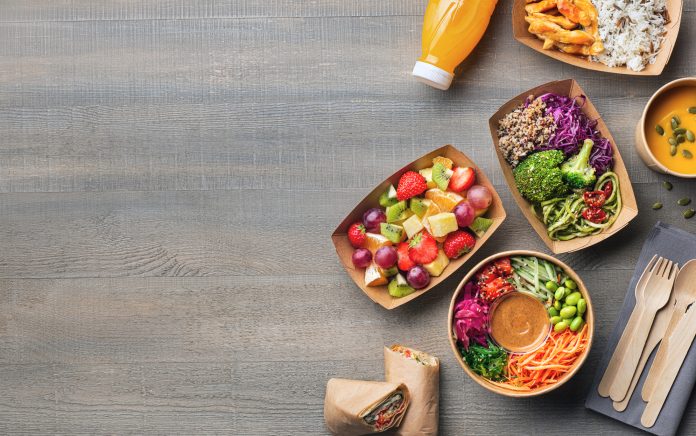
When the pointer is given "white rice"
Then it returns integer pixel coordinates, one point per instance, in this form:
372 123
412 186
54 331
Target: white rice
631 30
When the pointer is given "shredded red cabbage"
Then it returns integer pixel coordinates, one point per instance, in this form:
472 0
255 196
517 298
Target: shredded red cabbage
471 317
573 127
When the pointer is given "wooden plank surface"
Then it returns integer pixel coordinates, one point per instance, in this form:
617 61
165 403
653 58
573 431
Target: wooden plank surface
170 173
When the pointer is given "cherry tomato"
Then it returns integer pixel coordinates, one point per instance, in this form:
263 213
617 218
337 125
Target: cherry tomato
594 199
608 189
594 214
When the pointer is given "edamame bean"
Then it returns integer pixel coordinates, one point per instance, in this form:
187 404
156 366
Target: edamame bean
570 284
582 306
552 312
551 286
556 319
576 323
557 305
567 292
568 312
561 326
572 299
560 293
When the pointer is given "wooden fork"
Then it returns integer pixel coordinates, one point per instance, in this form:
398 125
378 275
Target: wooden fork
655 296
610 372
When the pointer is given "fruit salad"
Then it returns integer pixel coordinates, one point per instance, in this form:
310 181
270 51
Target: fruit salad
430 217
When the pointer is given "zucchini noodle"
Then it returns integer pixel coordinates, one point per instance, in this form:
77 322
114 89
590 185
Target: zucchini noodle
563 216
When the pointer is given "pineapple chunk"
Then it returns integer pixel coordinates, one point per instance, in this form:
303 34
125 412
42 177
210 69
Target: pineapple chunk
438 265
433 209
442 224
374 276
375 241
427 174
412 226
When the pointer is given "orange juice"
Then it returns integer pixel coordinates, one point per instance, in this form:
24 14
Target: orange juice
679 104
451 30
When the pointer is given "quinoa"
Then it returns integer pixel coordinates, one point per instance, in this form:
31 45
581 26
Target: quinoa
525 129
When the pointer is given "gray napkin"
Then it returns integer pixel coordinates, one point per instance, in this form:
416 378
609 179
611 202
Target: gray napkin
679 246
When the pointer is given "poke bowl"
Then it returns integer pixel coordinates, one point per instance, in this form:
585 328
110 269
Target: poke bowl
521 323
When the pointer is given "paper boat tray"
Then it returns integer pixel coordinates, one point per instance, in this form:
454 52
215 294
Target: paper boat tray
379 294
629 210
674 13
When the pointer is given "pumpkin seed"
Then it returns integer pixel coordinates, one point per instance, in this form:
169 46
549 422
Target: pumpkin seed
672 150
679 131
657 206
681 138
690 136
692 110
677 119
672 140
683 201
667 185
660 131
675 124
687 154
688 213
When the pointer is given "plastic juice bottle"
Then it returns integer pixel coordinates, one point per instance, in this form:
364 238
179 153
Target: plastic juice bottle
451 30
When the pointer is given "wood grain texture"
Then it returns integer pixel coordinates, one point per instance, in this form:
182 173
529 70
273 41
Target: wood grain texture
170 174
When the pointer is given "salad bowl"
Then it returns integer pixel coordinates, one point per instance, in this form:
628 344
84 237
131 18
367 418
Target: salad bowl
629 210
501 388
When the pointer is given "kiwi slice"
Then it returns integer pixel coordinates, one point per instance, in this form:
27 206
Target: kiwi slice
388 197
441 175
399 287
395 212
480 225
390 271
392 232
420 206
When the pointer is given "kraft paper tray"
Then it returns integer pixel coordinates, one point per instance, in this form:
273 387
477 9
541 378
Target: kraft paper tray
379 294
629 210
674 13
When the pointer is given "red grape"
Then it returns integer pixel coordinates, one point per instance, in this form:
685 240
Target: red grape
386 257
361 258
479 196
372 218
465 213
418 277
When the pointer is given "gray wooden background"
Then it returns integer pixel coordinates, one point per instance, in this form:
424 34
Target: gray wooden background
170 174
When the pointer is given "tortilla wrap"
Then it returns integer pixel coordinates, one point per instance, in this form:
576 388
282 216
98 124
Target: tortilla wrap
349 402
421 374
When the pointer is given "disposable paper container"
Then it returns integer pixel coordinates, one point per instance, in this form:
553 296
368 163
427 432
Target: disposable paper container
641 142
379 294
629 210
674 13
589 319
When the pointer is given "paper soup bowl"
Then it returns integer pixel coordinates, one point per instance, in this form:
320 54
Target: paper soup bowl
510 392
641 141
379 294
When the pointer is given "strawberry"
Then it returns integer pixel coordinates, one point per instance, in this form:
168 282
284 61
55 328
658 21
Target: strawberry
410 184
356 235
422 248
462 178
458 243
405 263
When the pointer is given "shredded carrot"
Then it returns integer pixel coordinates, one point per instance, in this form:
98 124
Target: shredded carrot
548 364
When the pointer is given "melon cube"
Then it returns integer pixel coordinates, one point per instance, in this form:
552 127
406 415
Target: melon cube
438 265
412 226
442 224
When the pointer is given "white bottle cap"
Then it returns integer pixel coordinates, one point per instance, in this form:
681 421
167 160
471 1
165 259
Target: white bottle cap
432 75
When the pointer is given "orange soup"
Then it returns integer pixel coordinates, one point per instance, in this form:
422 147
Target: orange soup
670 129
519 322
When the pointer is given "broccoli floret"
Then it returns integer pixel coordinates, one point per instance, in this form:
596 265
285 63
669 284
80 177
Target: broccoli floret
577 171
539 177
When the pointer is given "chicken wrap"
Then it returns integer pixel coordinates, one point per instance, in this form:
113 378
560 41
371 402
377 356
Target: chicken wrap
357 407
420 372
